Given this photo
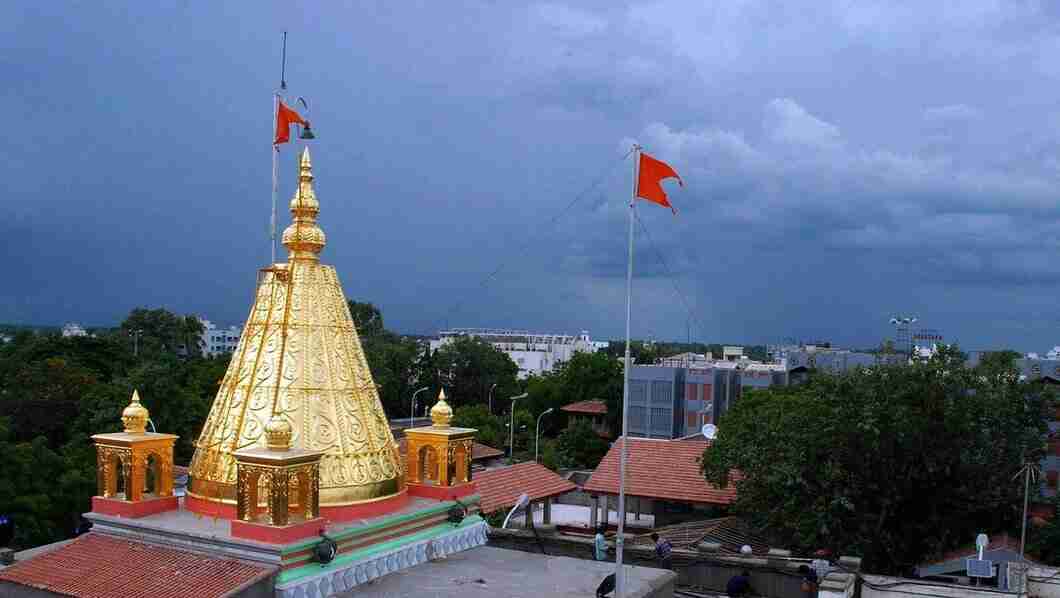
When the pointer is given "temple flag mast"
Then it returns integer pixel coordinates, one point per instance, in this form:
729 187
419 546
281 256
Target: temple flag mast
647 174
276 99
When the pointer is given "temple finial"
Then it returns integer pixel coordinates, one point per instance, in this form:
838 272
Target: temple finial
135 416
441 413
303 238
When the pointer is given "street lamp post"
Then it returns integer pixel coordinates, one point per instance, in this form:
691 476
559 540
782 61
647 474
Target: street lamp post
412 412
511 427
537 433
136 334
491 398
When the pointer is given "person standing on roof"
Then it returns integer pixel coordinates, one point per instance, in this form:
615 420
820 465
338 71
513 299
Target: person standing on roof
600 545
739 585
809 581
664 551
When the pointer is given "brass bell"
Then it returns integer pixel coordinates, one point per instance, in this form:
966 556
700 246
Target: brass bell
307 133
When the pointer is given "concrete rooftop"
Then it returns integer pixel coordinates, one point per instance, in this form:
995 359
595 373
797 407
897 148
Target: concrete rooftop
488 572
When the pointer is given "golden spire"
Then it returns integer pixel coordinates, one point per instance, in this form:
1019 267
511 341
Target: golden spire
441 413
299 377
135 416
303 238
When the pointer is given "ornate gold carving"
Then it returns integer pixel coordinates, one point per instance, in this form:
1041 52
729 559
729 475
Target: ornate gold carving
277 494
441 413
135 416
300 358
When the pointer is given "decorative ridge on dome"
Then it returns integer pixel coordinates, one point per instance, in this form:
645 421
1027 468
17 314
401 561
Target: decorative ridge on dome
135 416
441 413
303 238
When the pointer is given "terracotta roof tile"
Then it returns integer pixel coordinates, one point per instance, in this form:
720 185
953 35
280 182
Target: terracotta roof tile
478 451
98 566
500 488
589 407
663 469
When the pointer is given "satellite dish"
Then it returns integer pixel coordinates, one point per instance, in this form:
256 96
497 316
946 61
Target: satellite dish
745 549
710 431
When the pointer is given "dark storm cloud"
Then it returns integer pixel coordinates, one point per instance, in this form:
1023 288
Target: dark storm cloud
842 161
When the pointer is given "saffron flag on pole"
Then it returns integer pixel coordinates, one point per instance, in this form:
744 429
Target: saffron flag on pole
652 172
285 117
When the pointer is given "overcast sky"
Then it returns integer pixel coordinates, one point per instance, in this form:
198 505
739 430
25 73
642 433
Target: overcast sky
843 161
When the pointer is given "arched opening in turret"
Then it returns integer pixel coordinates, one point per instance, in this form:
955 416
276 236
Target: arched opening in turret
461 471
428 462
152 475
117 465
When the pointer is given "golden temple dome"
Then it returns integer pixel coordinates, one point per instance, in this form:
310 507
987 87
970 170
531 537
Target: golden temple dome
278 434
303 238
135 416
299 371
441 413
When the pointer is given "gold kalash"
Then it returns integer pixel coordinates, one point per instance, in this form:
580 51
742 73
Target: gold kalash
300 358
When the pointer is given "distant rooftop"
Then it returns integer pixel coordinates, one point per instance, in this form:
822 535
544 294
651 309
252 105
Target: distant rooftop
660 469
594 407
500 488
100 566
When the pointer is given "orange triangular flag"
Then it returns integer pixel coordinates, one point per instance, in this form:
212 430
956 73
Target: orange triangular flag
285 117
653 171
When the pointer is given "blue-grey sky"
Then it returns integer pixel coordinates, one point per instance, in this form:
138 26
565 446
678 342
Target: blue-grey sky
844 161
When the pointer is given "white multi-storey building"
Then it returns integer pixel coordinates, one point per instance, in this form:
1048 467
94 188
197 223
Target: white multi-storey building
218 341
533 353
74 329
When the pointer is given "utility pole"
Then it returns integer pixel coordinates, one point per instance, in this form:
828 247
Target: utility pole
136 334
537 432
511 428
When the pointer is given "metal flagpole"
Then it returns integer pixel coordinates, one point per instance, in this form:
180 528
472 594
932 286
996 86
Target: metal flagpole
620 573
275 181
275 148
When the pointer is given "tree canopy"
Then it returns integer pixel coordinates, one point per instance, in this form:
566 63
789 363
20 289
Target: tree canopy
55 392
895 464
470 366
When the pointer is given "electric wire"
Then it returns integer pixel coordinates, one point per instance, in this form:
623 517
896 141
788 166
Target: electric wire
669 272
530 240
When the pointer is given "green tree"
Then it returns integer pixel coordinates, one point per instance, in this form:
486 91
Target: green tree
491 430
392 359
470 366
1044 541
160 330
579 447
891 463
585 377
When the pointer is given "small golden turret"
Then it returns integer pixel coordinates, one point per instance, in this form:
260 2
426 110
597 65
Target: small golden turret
278 434
303 238
135 416
441 413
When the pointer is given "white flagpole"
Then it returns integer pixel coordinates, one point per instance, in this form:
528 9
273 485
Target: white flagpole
620 573
275 180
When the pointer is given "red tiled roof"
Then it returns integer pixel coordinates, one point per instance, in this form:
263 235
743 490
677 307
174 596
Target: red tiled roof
98 566
500 488
478 451
663 469
589 407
